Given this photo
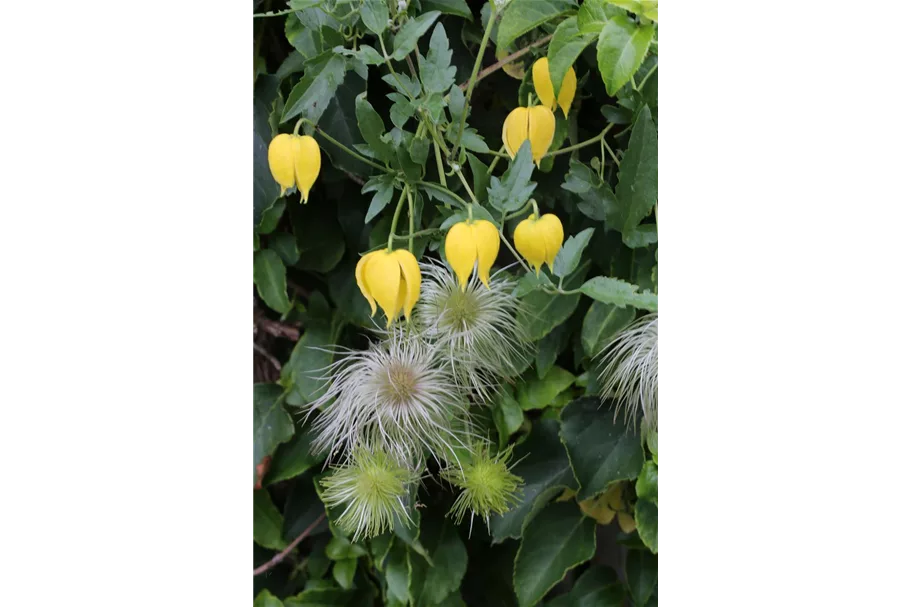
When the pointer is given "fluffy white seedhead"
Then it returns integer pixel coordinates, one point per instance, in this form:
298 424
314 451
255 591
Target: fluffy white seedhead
476 329
630 371
395 397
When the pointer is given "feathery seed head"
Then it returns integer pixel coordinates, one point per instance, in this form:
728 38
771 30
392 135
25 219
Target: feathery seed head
630 371
488 485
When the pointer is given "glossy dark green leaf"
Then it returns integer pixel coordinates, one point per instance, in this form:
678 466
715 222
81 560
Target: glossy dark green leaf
479 177
542 311
307 367
602 322
641 575
571 252
265 189
564 48
343 572
512 191
271 217
622 46
267 521
319 237
637 187
340 548
269 277
458 8
406 40
284 244
596 587
303 508
372 128
549 348
292 458
375 15
431 585
397 569
437 74
540 393
310 97
507 416
601 449
619 293
271 423
647 523
544 466
560 538
340 122
522 16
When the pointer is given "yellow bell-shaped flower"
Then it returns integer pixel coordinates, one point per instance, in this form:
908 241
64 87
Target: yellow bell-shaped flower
538 239
472 241
391 279
540 73
537 124
294 160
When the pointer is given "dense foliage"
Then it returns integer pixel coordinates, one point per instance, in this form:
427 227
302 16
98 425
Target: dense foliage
381 189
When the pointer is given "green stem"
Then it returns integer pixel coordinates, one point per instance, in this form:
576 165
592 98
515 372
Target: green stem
392 70
297 125
496 160
518 213
648 74
515 254
612 155
440 169
577 146
345 148
426 232
410 221
474 75
434 186
497 154
395 217
464 181
275 14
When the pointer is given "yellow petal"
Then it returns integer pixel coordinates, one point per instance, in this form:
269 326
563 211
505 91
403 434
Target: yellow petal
529 243
306 165
281 161
614 496
541 127
383 277
598 509
540 74
461 251
487 240
567 91
552 233
362 285
411 273
515 130
627 523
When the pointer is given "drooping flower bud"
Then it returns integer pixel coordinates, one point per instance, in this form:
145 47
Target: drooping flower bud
538 239
544 87
537 124
391 279
472 241
294 160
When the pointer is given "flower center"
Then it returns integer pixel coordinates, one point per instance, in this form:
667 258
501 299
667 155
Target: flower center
401 384
461 310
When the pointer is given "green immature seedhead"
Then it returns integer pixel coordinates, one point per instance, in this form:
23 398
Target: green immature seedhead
488 487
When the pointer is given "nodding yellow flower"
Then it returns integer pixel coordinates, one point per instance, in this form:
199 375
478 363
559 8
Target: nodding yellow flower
294 160
391 279
538 239
540 73
472 241
537 124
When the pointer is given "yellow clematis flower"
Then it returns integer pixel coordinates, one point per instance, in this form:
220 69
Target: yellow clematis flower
472 241
294 160
538 239
536 124
544 87
391 279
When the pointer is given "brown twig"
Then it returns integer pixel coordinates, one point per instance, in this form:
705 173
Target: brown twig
354 178
487 71
278 558
267 356
278 329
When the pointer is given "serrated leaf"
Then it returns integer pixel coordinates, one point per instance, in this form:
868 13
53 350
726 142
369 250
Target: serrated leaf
647 523
641 575
540 393
267 521
406 40
600 449
269 277
637 187
271 423
570 253
515 188
375 15
601 323
619 293
544 466
404 84
370 123
641 236
622 47
522 16
382 186
560 538
564 48
310 97
437 74
369 55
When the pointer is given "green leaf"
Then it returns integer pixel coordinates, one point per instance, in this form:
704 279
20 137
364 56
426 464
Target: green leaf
312 94
267 522
266 599
382 185
560 539
570 253
651 440
458 8
544 466
479 177
265 189
271 423
641 575
343 572
436 73
340 548
478 212
372 128
637 187
594 14
375 15
369 55
515 188
622 47
540 393
522 16
601 323
600 448
456 103
271 217
564 48
404 84
619 293
406 40
646 8
397 569
531 282
284 244
641 236
302 509
647 523
507 416
549 348
647 483
308 363
320 597
292 458
597 587
269 277
340 123
543 312
319 237
431 585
